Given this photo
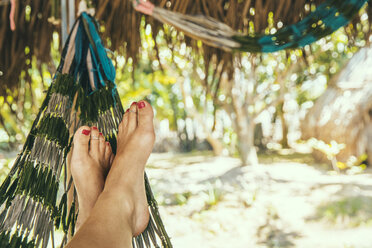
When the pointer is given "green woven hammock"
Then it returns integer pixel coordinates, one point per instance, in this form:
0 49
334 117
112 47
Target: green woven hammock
33 197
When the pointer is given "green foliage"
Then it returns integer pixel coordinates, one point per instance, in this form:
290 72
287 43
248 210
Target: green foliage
330 150
213 195
5 165
179 199
324 59
19 108
275 157
348 211
352 166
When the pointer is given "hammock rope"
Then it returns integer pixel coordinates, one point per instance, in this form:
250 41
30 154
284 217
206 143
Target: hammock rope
324 20
34 196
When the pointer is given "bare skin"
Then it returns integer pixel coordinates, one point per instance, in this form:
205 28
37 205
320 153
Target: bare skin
121 210
90 162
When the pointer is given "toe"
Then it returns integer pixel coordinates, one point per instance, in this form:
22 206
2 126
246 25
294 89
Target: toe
81 139
145 116
124 122
112 159
108 153
132 118
94 142
102 145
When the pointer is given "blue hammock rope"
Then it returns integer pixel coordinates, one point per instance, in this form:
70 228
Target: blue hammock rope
326 19
82 93
87 38
104 62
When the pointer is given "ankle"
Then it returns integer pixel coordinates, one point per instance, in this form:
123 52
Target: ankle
122 197
124 201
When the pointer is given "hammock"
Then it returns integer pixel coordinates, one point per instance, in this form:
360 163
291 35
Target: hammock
326 19
34 196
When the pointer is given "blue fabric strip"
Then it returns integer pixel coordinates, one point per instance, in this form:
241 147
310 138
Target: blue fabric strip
330 13
96 68
102 59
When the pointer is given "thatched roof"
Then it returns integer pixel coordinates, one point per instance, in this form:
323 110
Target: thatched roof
34 32
122 25
344 112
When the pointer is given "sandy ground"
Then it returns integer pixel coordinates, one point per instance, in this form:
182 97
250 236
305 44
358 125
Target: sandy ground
213 202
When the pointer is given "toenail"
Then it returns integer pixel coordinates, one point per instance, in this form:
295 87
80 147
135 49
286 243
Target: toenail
95 128
133 103
127 111
100 134
85 132
141 105
107 143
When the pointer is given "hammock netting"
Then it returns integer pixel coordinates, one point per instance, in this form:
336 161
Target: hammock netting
37 197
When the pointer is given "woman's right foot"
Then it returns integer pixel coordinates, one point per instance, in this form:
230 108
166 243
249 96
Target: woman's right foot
125 180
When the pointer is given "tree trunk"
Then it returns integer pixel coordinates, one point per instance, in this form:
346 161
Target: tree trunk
280 111
368 133
193 113
244 126
247 150
243 123
215 144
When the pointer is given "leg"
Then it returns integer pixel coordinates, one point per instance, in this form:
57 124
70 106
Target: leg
121 210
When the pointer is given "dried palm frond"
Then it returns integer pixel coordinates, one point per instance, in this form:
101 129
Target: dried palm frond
32 31
122 24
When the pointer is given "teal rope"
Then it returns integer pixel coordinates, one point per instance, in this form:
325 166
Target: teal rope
326 19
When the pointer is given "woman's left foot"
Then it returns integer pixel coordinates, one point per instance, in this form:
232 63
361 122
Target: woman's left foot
91 159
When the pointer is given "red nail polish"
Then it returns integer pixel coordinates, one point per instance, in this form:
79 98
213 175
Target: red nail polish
95 128
100 134
85 132
127 111
133 103
141 105
108 143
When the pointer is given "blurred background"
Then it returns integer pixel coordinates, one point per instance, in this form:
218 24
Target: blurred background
252 150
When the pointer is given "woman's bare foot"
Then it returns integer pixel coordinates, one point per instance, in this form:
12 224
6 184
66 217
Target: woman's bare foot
90 162
126 177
